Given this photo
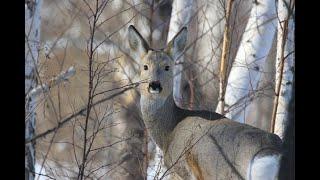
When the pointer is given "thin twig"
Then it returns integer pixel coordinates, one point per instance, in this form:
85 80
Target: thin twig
79 112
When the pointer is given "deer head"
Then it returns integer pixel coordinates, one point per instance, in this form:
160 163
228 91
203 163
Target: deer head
156 66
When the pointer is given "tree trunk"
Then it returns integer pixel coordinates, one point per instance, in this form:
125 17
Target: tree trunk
224 59
284 68
32 41
248 65
287 167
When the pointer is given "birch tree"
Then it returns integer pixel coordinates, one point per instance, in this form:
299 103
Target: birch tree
284 66
32 40
224 58
246 70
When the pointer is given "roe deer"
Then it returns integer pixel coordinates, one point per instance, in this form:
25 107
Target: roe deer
197 144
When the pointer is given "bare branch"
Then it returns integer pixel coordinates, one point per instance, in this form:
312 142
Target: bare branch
75 114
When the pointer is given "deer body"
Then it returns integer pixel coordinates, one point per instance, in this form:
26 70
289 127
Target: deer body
197 144
219 149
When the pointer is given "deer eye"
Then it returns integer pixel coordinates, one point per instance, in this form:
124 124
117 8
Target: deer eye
166 68
145 67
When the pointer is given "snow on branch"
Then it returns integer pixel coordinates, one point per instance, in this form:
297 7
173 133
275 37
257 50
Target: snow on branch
63 76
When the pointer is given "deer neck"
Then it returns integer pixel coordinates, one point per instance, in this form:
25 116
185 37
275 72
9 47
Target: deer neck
160 117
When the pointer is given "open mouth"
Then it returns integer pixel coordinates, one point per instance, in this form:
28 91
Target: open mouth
155 87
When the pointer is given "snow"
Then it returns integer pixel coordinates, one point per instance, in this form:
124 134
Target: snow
43 171
156 166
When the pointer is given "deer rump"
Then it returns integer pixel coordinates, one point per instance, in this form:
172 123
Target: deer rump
222 149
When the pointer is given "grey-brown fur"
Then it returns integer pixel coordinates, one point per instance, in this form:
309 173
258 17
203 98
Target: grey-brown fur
196 144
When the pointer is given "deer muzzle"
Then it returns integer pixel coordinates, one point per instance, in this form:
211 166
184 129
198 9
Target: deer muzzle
155 87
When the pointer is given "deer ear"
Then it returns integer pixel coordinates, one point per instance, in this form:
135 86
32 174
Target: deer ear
177 44
138 45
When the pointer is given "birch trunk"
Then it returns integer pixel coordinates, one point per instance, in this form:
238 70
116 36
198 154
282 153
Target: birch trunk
224 59
248 65
284 68
32 41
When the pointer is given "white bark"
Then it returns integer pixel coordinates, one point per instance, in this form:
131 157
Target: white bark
180 16
32 31
284 82
247 67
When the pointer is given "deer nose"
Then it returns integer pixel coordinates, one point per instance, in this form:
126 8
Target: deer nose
155 87
154 84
